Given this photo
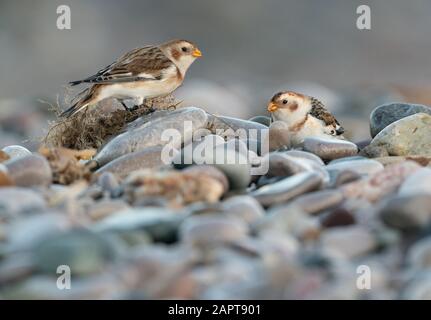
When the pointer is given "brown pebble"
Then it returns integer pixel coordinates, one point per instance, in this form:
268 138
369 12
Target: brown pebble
338 217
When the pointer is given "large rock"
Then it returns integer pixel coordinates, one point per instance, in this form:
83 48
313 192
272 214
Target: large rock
384 115
408 136
27 171
151 133
148 158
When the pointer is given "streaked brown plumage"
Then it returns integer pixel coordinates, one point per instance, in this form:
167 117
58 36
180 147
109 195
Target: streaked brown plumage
319 111
141 73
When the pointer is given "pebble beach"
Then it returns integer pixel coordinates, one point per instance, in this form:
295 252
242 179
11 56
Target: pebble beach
332 219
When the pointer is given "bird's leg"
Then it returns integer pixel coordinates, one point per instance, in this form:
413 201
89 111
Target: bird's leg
175 105
138 103
124 106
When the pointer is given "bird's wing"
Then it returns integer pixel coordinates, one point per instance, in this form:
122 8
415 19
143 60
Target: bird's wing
147 63
319 111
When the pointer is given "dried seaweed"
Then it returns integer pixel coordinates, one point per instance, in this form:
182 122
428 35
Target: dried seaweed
93 127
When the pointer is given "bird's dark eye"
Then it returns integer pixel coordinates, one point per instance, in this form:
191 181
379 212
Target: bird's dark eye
284 101
184 49
332 131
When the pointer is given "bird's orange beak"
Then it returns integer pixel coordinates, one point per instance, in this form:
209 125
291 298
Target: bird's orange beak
197 53
272 107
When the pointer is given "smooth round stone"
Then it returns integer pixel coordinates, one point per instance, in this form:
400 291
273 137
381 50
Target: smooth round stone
153 133
105 208
419 254
212 230
380 184
16 151
361 166
84 252
374 151
350 242
338 178
23 234
423 161
407 136
384 115
288 219
418 288
337 218
234 165
277 137
3 168
288 188
15 200
149 158
282 165
160 223
238 145
407 213
27 171
254 145
329 149
417 183
303 155
315 202
197 152
210 171
235 124
108 181
266 121
244 207
354 158
231 158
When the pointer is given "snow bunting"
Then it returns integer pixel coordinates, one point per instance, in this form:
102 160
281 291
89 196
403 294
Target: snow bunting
304 115
142 73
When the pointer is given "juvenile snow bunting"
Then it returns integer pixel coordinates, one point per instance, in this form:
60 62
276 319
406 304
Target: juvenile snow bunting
304 115
141 73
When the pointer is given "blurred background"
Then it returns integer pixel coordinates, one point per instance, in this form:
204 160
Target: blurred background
252 49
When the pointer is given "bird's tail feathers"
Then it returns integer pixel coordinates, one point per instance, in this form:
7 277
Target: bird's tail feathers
74 83
81 101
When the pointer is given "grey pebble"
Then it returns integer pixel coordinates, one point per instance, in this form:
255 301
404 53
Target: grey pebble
149 158
27 171
288 188
330 149
384 115
16 151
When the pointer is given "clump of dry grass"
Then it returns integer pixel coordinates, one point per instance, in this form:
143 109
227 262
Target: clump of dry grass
93 127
